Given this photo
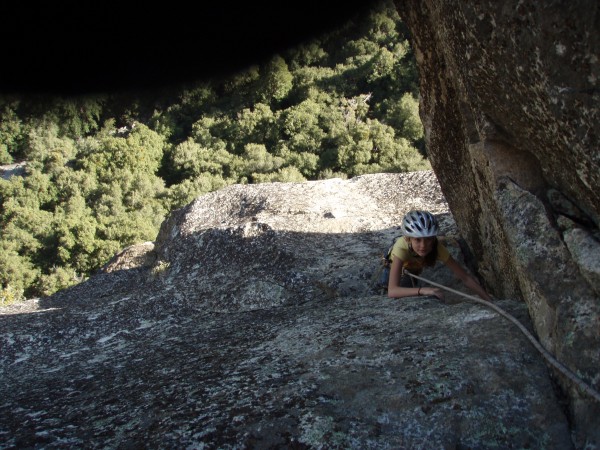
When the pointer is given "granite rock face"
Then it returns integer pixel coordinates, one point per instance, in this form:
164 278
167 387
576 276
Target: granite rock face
511 106
251 323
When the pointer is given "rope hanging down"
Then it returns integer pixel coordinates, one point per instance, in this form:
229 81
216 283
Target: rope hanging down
564 370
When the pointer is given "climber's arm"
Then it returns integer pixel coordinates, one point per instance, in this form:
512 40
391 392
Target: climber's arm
467 279
397 291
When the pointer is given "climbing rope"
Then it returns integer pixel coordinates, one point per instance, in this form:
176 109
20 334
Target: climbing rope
563 369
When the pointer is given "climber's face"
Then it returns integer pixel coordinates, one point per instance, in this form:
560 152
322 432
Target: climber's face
422 246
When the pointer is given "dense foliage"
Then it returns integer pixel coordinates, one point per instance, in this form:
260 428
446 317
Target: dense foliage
103 171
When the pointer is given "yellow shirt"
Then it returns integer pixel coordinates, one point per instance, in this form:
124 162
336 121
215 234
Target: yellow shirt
413 262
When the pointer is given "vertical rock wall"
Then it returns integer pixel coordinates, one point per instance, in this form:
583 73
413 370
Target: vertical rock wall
510 104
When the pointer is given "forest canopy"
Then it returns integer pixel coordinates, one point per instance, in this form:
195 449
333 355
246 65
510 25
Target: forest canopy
103 171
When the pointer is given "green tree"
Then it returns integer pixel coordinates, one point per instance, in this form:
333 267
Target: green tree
275 81
130 194
301 128
59 277
76 116
257 160
206 132
328 173
192 159
17 272
75 235
25 230
307 54
404 117
283 175
138 150
355 150
183 193
10 131
381 25
253 125
243 83
381 65
74 183
43 145
305 162
310 82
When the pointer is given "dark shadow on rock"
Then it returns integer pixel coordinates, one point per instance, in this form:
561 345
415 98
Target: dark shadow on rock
254 338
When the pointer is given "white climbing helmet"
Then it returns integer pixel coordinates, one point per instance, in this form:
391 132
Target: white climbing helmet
419 224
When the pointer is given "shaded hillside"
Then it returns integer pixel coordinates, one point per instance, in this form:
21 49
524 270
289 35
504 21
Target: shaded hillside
101 171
